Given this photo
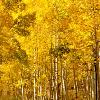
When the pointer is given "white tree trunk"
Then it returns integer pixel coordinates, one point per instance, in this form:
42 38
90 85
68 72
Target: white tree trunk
22 89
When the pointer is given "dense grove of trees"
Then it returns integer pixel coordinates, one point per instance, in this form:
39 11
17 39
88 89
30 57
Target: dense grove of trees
49 49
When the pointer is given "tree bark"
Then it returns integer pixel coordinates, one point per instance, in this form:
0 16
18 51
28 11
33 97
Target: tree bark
56 78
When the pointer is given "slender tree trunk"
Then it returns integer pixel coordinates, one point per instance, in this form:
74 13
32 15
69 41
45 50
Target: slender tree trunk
34 77
34 88
38 76
52 76
61 79
66 87
96 63
22 89
64 84
99 70
65 79
93 85
56 78
75 82
40 88
89 80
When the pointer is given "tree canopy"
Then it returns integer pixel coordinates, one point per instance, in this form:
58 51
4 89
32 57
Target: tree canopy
48 49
